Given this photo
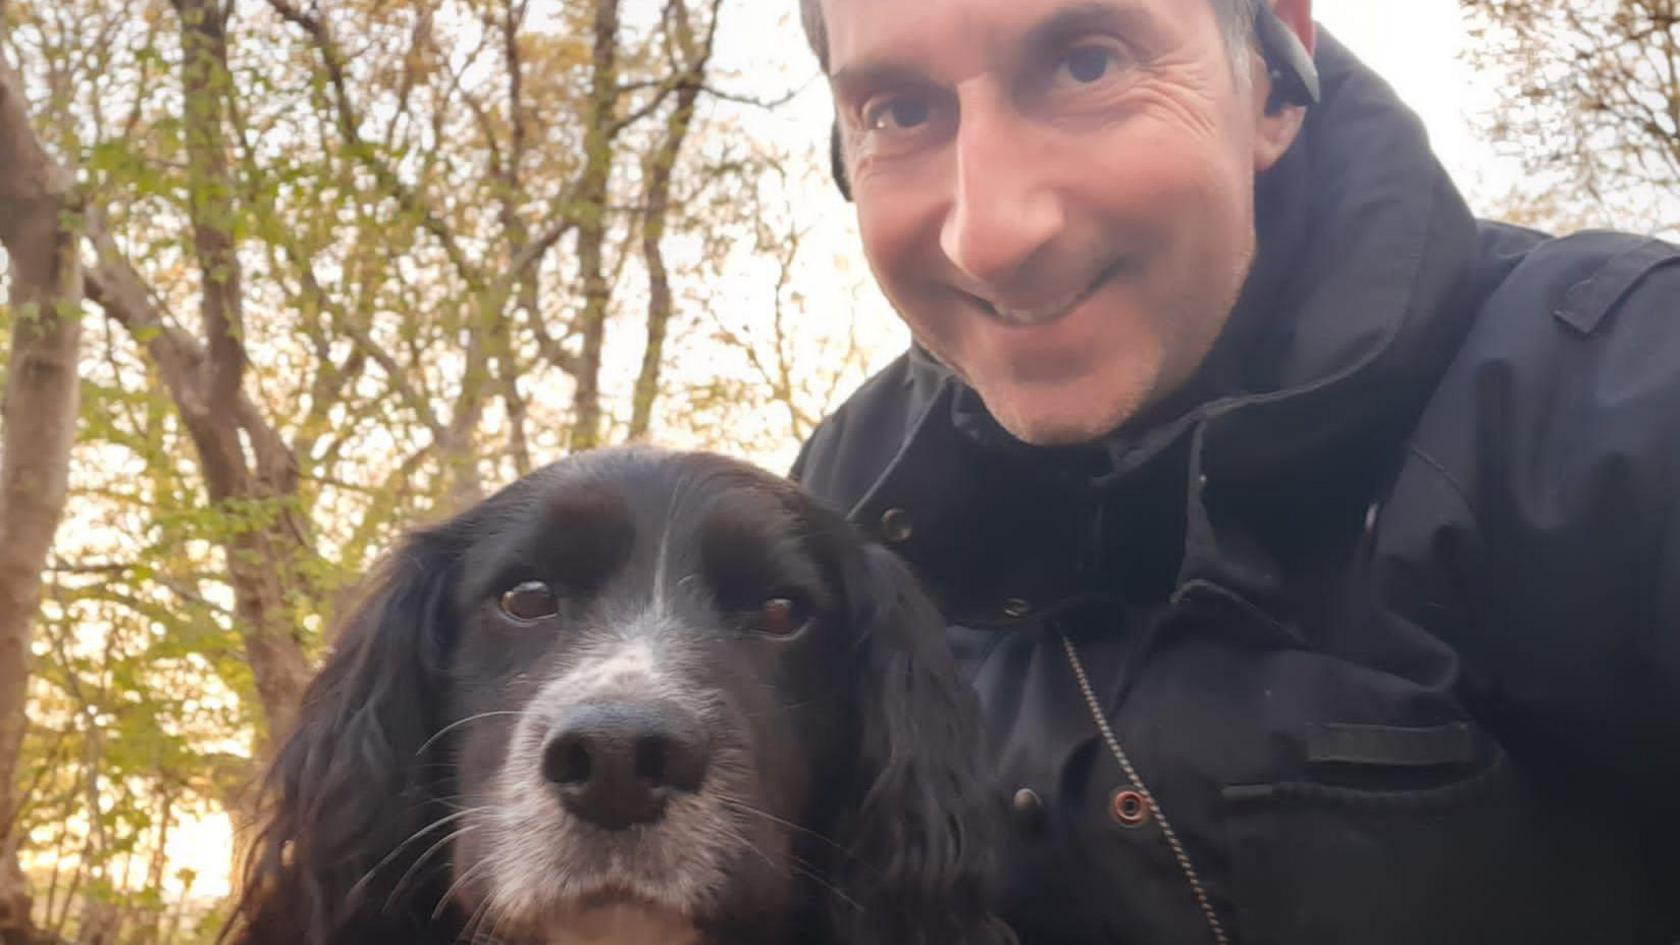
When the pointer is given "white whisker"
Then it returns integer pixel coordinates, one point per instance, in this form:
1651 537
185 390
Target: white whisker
397 851
421 860
460 881
457 724
745 808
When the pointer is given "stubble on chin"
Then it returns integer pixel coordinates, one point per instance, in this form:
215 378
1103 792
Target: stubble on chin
1082 417
1062 415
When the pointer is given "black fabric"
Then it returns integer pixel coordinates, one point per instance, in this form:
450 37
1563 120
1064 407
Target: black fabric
1384 606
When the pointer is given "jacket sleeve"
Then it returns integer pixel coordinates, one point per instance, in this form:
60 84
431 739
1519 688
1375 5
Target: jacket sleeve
1537 526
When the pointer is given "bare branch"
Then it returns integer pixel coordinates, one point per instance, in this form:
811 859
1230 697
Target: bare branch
349 124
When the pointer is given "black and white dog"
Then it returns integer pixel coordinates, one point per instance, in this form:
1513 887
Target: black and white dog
634 698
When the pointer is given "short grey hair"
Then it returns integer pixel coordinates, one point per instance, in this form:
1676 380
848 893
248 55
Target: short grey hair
1236 16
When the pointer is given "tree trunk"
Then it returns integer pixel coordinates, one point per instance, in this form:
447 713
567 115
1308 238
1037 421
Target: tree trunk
157 866
262 557
658 175
39 418
592 224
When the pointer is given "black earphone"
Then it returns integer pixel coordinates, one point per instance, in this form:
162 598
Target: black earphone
1288 64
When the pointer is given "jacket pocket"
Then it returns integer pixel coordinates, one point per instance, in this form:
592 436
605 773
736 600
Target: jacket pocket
1390 746
1476 859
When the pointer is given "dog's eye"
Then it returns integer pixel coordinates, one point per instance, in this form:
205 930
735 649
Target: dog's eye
532 600
782 616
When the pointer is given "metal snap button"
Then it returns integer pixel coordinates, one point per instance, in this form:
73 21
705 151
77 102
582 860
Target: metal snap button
1027 807
1128 807
895 526
1016 607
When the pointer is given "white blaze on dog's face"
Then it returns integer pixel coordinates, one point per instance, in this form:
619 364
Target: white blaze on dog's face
659 864
646 701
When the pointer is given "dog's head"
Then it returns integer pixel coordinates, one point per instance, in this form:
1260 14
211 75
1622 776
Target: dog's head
634 696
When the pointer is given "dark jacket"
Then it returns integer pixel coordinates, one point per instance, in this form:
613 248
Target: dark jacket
1386 616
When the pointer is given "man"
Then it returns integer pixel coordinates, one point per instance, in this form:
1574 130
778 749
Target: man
1314 548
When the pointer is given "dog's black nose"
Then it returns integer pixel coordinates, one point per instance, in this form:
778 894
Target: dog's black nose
616 764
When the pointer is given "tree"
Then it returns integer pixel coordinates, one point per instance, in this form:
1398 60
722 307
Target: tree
37 227
1590 103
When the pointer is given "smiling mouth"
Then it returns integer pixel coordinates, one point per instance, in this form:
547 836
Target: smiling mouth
1051 311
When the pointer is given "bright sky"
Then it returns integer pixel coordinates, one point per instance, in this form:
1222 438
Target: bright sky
1415 45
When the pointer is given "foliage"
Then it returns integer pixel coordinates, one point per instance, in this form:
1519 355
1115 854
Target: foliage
1590 102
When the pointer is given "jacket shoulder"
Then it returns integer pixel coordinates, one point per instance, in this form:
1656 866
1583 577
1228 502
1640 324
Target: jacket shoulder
1572 362
1537 523
1573 356
1581 279
853 446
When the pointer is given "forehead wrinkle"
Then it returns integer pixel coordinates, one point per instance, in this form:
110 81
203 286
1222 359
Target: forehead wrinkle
987 42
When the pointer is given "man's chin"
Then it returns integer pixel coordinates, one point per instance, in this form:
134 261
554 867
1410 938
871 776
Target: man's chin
1067 417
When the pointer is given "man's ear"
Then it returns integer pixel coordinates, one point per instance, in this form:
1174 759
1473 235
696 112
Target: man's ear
1283 79
837 162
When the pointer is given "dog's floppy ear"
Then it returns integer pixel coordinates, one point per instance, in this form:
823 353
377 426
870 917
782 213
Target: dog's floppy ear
925 833
349 791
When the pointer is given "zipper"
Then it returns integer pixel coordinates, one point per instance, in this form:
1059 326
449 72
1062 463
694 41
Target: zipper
1114 747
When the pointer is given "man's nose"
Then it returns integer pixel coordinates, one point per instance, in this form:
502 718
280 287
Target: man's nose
1003 209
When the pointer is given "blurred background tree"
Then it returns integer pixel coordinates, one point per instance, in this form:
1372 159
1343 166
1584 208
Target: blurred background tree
43 315
1589 102
326 271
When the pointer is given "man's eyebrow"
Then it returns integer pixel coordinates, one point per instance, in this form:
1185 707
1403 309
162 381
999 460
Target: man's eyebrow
883 73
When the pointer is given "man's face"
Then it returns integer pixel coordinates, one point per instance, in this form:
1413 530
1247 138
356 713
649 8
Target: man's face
1056 195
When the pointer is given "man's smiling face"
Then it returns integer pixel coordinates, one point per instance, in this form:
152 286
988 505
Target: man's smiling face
1056 195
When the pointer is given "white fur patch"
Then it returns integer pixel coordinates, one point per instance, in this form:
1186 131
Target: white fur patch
632 667
565 882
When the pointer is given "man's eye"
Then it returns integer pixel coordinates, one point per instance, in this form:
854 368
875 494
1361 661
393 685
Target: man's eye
529 601
1086 65
896 114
